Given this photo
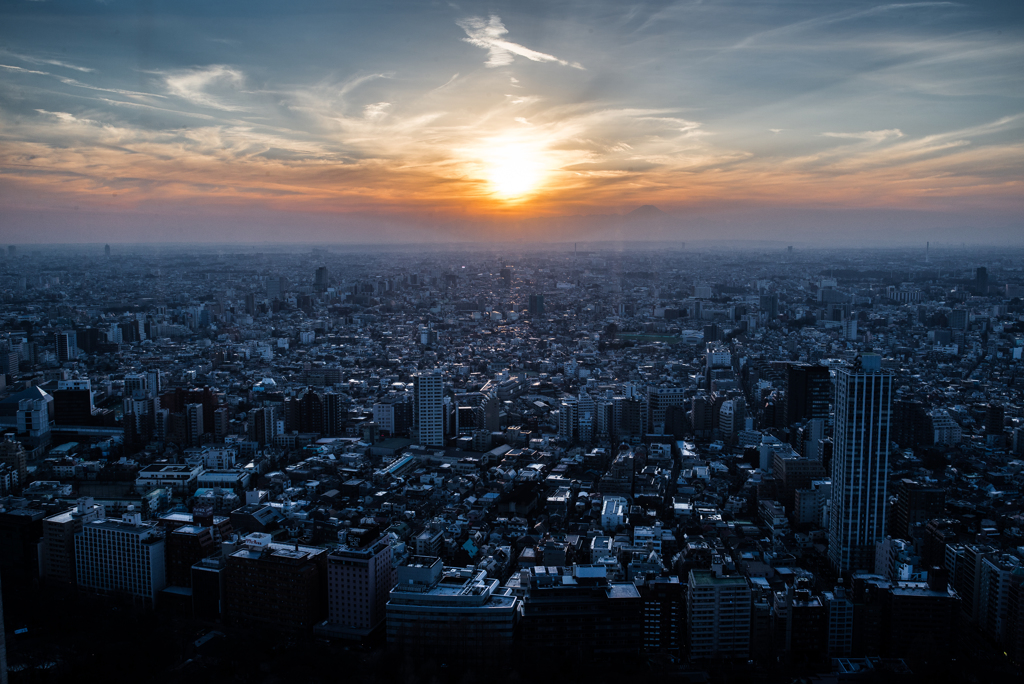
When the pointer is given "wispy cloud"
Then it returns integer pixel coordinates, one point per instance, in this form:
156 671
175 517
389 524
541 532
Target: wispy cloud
43 60
118 91
869 136
376 111
23 70
835 18
488 34
197 85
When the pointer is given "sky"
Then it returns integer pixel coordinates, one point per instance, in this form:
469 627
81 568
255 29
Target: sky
845 122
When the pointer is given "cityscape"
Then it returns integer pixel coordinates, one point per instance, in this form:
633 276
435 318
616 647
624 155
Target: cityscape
703 464
511 341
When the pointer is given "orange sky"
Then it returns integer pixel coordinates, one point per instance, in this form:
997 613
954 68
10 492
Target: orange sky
511 115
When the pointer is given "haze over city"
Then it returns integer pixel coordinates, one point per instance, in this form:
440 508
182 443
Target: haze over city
830 123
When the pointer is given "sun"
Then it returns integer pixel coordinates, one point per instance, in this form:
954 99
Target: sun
514 171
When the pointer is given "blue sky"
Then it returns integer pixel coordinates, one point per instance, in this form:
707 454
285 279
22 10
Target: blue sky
343 121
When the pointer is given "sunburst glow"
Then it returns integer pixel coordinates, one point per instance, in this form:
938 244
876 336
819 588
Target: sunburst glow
514 171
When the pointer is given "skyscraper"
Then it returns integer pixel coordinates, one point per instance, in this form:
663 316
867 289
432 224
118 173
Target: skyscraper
808 392
981 279
860 463
320 281
718 615
536 305
429 390
359 579
67 346
194 424
769 307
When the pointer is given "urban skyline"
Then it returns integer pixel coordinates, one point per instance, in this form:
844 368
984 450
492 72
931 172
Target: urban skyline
490 462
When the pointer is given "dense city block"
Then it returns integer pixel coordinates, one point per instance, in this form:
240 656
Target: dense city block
746 464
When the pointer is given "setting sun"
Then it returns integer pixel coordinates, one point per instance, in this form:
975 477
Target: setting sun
514 171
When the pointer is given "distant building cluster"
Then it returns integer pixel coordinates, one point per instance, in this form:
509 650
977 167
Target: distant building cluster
808 459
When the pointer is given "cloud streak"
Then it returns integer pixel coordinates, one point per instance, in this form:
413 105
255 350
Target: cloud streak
196 85
488 34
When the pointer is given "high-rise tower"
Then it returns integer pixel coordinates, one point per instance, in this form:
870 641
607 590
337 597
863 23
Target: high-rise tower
67 346
860 463
320 280
429 390
808 392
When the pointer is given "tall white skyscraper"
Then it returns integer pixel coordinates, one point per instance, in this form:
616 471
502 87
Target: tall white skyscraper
860 463
429 389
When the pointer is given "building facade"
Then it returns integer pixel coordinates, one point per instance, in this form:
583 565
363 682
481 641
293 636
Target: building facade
718 610
860 464
359 581
429 391
459 613
123 557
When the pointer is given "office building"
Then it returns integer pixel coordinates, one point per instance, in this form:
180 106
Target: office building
320 280
57 562
808 392
769 307
221 424
718 610
121 557
262 425
794 473
13 455
335 414
67 346
922 617
659 400
189 544
441 612
34 421
839 609
393 417
360 578
194 424
801 623
579 611
536 305
73 403
916 503
276 287
860 464
183 479
429 407
279 586
731 418
664 614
